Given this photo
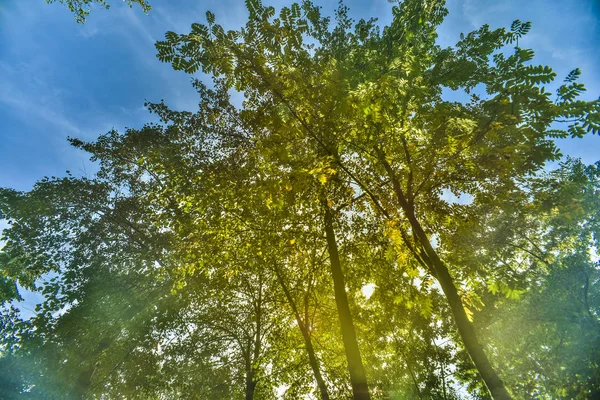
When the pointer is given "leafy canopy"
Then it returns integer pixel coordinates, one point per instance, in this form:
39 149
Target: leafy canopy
235 234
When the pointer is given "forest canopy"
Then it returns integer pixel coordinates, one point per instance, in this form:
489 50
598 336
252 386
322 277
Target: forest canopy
345 232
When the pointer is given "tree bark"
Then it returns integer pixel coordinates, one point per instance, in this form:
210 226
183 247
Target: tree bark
358 378
312 358
254 349
465 328
250 384
314 364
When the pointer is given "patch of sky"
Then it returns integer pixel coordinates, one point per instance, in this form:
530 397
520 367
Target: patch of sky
452 198
368 290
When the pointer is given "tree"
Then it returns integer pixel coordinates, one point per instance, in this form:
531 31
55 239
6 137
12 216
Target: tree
370 105
556 321
245 236
243 324
81 8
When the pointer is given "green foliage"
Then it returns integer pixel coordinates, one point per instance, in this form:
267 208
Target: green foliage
556 322
81 8
198 261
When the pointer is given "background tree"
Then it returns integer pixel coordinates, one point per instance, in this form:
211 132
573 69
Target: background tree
556 320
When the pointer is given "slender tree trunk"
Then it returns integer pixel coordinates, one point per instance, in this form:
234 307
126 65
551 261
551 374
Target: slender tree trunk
254 349
358 378
312 358
250 383
314 364
467 333
465 328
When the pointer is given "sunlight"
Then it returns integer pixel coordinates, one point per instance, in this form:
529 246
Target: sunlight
368 289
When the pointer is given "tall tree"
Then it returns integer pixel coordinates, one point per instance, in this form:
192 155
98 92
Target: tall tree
370 104
242 238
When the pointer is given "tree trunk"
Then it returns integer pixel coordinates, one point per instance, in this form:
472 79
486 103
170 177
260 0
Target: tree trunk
253 352
467 332
312 358
314 364
358 378
250 384
465 328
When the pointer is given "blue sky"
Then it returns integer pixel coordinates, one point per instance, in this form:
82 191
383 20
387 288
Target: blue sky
59 78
